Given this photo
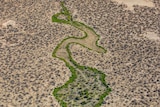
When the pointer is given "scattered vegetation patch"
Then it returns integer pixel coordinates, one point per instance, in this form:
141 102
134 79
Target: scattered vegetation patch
87 86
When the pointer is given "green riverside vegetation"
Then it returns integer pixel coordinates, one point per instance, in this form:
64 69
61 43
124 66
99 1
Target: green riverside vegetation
87 86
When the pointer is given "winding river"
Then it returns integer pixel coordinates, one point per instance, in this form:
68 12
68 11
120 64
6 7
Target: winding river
87 86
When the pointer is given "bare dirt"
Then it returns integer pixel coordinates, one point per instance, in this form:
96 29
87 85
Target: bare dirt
29 73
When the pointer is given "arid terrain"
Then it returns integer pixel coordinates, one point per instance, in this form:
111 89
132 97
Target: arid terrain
129 32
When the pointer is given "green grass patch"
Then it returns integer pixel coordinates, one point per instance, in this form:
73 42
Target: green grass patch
65 11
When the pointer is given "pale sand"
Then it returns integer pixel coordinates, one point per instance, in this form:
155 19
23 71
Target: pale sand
130 3
50 67
89 42
9 22
152 36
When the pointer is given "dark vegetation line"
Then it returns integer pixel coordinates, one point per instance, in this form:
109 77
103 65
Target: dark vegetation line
69 21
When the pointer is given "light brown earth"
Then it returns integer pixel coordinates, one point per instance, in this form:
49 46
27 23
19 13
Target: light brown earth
152 36
29 73
131 3
89 41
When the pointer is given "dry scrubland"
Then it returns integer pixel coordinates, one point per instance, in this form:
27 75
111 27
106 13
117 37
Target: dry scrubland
28 72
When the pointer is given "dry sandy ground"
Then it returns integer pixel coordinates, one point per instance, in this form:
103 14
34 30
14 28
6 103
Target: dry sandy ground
89 42
29 73
152 36
131 3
